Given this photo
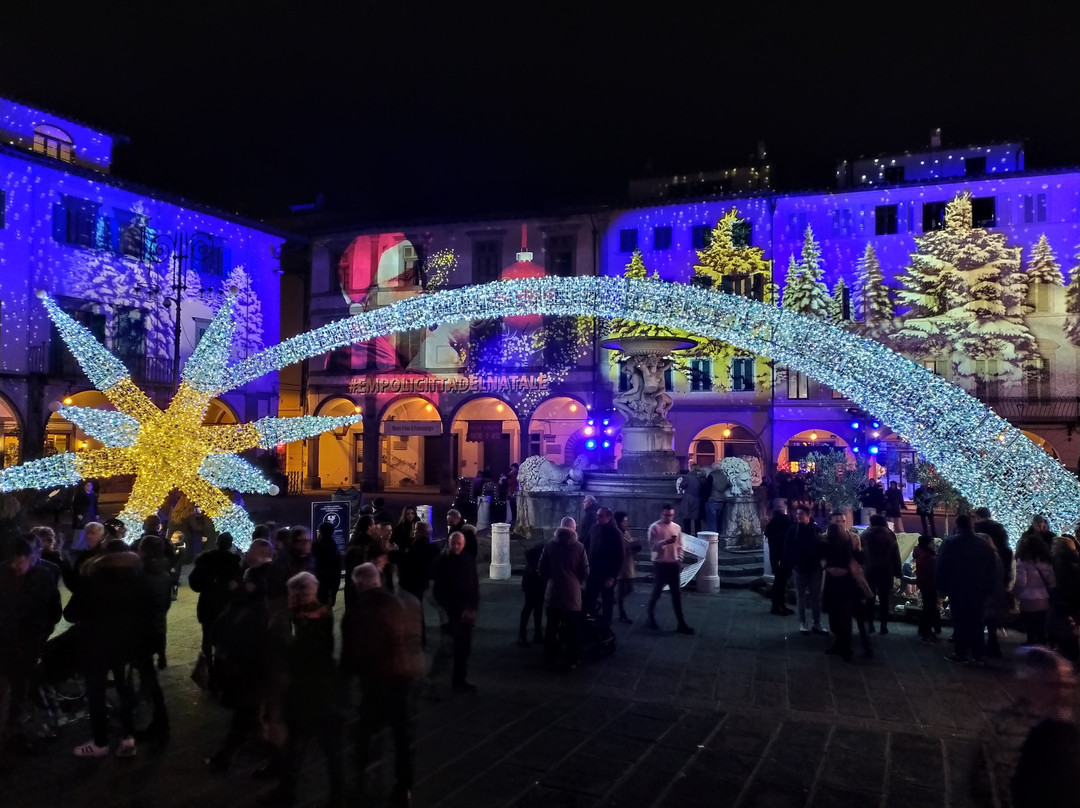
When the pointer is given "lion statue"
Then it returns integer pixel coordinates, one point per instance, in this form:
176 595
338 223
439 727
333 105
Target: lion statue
537 473
740 480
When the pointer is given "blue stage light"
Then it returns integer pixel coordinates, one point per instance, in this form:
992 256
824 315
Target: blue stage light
607 444
855 449
873 450
590 444
854 424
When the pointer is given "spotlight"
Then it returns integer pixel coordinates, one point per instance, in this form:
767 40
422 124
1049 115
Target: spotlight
854 424
875 425
855 449
605 422
588 430
873 450
813 436
606 444
591 422
590 444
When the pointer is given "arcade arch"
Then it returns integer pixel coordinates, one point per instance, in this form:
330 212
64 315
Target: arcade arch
486 436
341 451
410 443
555 428
11 433
1041 442
717 441
62 435
799 445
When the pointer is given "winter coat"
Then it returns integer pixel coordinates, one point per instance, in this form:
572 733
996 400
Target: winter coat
1034 583
402 532
381 638
1066 594
691 503
882 553
246 650
588 520
457 586
606 552
111 608
967 569
775 533
718 484
1000 538
159 584
924 499
214 570
804 548
313 688
925 562
413 560
628 571
531 581
565 565
29 610
894 502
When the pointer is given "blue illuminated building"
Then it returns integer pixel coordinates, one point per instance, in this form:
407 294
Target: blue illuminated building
121 259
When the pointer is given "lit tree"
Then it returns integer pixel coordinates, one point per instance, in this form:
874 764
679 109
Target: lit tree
248 337
1043 266
723 259
967 297
804 291
870 298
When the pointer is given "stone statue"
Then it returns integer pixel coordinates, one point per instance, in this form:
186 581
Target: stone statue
740 480
537 473
645 403
741 524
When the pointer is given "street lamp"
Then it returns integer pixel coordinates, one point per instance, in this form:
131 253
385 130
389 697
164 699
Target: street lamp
178 248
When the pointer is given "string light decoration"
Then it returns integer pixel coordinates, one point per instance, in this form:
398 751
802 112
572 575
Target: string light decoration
169 449
985 458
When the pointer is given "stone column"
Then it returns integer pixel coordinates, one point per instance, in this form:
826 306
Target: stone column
500 552
708 579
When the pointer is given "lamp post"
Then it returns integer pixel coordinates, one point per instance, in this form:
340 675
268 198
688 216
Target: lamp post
179 249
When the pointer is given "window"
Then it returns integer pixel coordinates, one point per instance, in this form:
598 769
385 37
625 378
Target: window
842 224
797 222
54 142
132 234
748 286
885 220
201 327
701 236
1037 377
983 209
536 441
409 344
894 174
486 257
669 380
797 385
75 222
1039 297
61 361
700 375
742 373
628 240
661 238
987 382
974 166
559 255
206 254
704 452
933 216
624 379
1034 208
742 233
129 335
939 367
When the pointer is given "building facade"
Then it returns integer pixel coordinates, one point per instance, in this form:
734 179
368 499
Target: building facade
144 273
458 399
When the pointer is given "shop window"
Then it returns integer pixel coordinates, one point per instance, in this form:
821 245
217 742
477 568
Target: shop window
885 221
628 239
742 374
486 259
797 385
661 238
54 142
700 375
559 255
983 211
701 236
933 216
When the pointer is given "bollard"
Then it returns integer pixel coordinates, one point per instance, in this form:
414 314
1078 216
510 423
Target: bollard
500 552
708 580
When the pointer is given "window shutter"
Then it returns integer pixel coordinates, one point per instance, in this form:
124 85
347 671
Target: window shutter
59 223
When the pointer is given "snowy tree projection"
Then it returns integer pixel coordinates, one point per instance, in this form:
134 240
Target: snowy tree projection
841 300
1043 266
1072 305
804 290
249 318
870 300
966 297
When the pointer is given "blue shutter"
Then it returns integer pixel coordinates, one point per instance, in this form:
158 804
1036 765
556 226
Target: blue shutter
59 223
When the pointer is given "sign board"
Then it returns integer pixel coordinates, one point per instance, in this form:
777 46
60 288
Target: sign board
483 431
412 427
339 514
394 384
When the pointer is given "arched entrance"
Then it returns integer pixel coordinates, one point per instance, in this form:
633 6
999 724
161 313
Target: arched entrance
1041 442
486 435
818 441
553 425
718 441
410 444
61 435
341 451
11 431
220 413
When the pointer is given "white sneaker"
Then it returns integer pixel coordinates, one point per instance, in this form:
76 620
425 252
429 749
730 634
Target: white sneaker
803 628
126 748
91 750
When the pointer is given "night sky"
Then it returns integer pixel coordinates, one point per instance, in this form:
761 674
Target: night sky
409 110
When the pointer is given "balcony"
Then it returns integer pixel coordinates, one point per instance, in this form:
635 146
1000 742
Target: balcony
48 361
1048 410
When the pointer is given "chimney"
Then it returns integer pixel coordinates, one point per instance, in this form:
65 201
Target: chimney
935 138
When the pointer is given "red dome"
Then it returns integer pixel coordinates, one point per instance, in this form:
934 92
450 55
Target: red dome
522 269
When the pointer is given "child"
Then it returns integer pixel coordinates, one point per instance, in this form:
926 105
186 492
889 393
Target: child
925 555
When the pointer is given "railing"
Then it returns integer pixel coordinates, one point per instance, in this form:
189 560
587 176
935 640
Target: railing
295 483
151 369
1042 410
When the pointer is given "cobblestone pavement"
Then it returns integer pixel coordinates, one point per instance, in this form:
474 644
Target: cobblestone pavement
745 713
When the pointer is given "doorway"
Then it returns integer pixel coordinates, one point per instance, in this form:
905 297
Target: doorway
432 459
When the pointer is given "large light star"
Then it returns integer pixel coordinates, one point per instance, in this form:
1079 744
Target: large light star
165 450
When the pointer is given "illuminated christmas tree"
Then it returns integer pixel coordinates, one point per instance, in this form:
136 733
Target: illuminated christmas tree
1043 266
841 295
804 290
723 259
967 297
870 298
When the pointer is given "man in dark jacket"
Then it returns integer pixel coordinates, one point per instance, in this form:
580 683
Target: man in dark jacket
457 590
413 561
967 570
803 553
589 507
327 564
775 534
605 561
382 646
565 567
882 567
215 572
999 609
29 610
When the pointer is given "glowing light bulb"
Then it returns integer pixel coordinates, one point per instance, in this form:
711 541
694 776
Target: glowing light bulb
428 408
813 436
727 433
499 408
573 408
588 430
68 401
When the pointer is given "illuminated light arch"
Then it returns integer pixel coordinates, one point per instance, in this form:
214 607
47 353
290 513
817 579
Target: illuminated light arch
985 458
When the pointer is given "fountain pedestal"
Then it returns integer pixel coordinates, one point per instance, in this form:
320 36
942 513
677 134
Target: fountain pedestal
648 450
